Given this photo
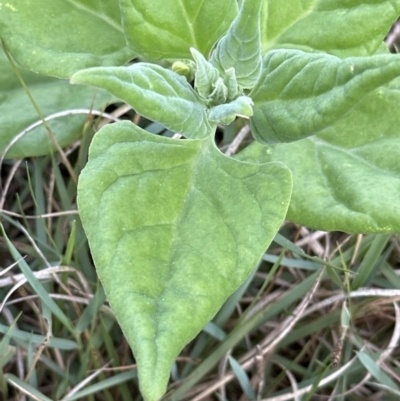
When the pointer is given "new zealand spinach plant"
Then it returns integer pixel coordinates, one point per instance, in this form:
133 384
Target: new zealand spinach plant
174 225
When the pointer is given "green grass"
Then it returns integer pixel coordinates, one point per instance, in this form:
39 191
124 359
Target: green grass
274 339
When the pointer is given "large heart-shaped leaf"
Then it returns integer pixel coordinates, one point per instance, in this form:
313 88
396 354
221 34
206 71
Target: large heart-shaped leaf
174 227
340 27
301 94
169 28
155 92
51 95
60 37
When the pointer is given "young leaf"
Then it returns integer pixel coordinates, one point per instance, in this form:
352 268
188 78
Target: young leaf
58 37
52 95
169 28
226 113
174 227
230 82
205 76
155 92
301 94
240 48
344 28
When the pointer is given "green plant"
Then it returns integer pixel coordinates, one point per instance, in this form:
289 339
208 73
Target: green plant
320 91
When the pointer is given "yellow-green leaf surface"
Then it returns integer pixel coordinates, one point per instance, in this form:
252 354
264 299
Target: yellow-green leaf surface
60 37
340 27
301 94
174 227
52 96
156 93
169 28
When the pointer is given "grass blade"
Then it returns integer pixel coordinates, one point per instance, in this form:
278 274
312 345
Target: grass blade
376 371
37 286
